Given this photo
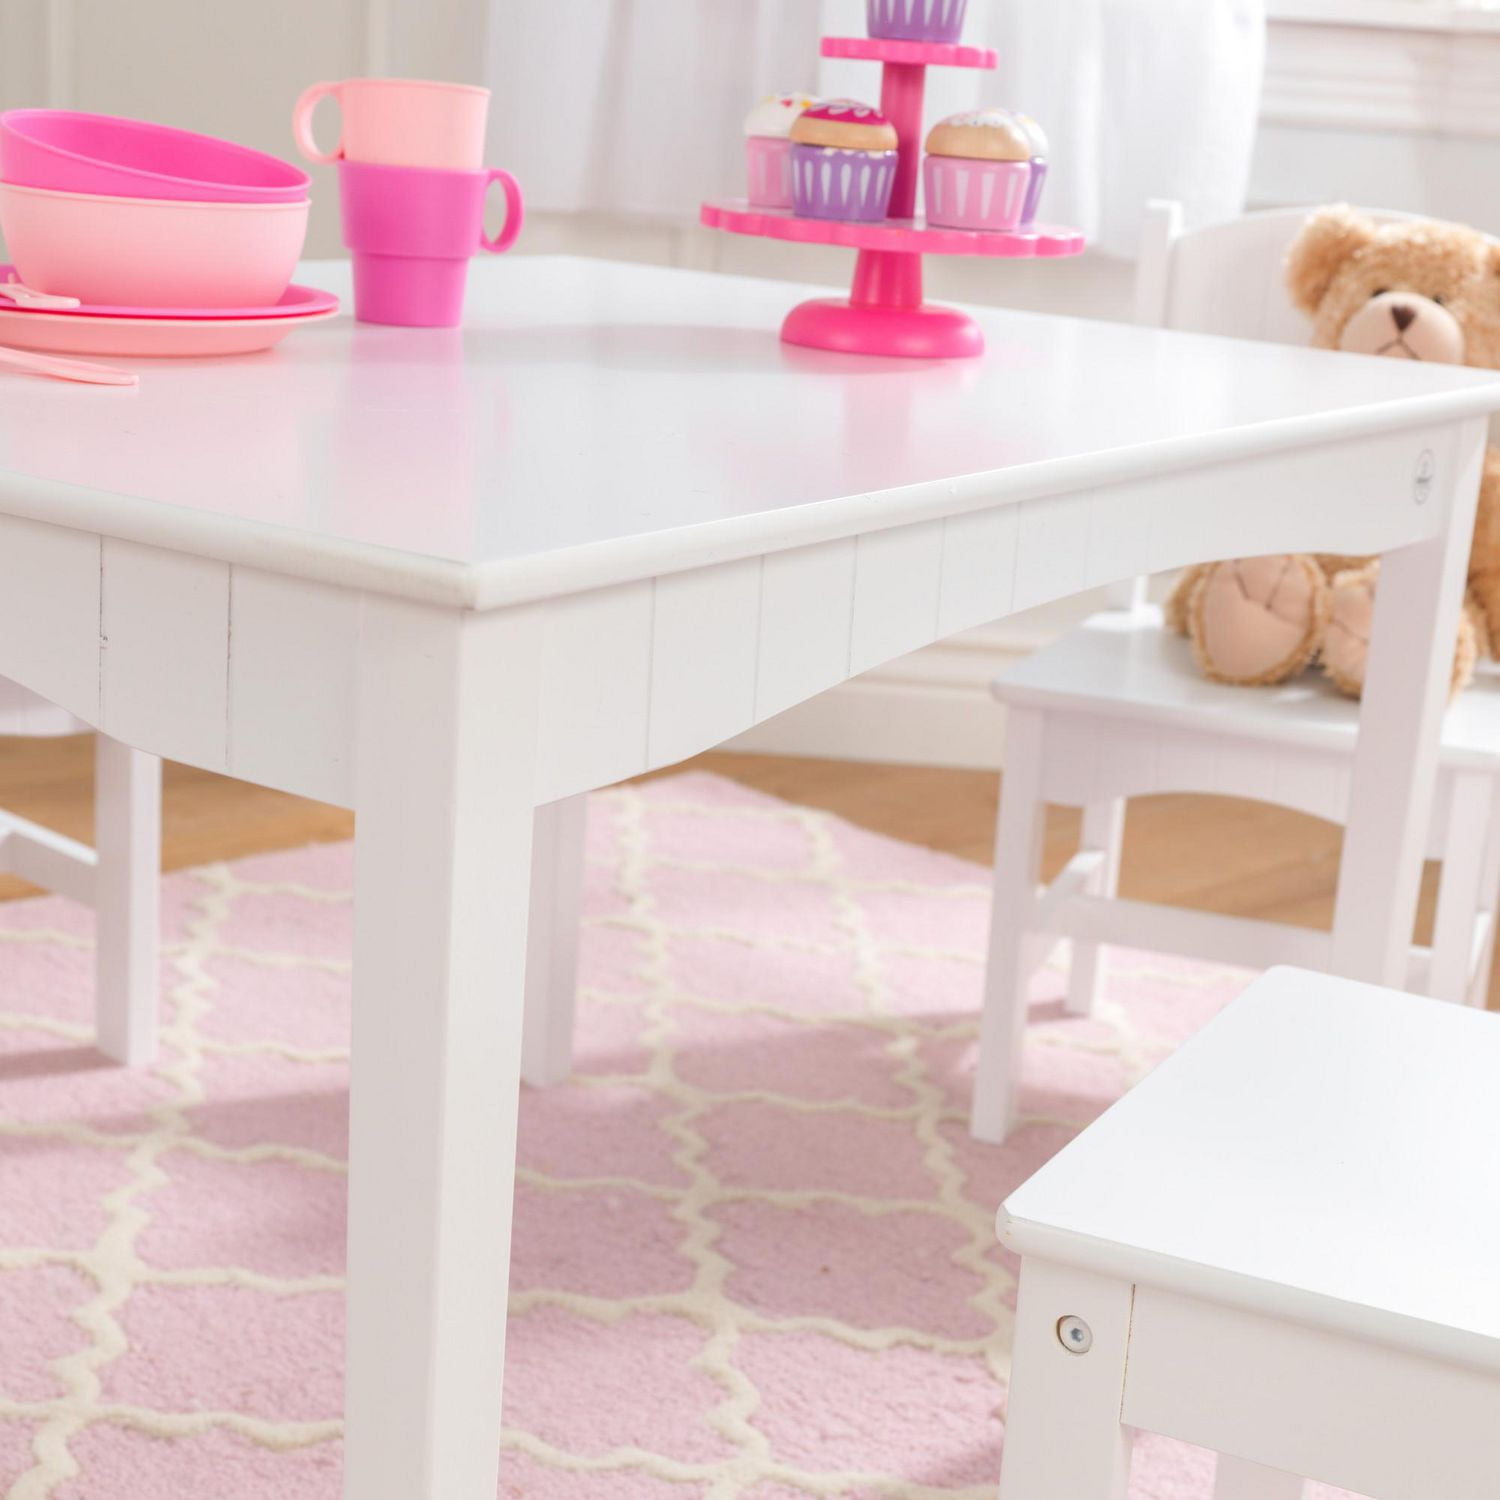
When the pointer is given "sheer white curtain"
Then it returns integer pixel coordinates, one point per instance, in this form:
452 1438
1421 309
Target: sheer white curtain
634 106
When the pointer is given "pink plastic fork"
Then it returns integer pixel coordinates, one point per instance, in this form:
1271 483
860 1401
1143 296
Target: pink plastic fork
65 369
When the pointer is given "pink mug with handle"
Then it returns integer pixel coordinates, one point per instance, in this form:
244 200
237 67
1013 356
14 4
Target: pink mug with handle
399 122
412 231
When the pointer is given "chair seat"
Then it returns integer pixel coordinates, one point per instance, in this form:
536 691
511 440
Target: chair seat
1127 663
1322 1151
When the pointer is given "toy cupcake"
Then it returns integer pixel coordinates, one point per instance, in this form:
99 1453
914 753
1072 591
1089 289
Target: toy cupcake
768 148
843 161
978 170
916 20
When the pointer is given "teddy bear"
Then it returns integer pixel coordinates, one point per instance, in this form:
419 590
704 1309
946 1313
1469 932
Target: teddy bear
1415 289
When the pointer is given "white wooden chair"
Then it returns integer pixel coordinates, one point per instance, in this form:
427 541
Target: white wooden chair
1117 709
120 878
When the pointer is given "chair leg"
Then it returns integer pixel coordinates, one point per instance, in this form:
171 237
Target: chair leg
1018 848
1063 1436
1104 832
127 836
1489 897
1460 890
552 941
1239 1479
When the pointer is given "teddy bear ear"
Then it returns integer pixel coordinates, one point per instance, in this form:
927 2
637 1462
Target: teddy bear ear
1328 238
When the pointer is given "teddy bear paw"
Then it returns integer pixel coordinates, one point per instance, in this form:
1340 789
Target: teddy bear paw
1346 642
1258 619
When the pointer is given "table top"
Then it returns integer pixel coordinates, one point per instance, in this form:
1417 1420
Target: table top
1322 1150
595 422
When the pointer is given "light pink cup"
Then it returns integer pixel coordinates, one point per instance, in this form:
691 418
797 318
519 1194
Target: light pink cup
399 122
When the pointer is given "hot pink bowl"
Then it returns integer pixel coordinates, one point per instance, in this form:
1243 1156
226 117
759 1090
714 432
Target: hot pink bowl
145 252
70 152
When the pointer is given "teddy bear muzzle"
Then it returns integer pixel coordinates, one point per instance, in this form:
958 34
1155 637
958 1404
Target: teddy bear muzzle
1405 325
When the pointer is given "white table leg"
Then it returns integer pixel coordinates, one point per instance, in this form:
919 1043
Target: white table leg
1018 850
1239 1479
446 728
127 899
1063 1436
1104 831
1395 757
552 941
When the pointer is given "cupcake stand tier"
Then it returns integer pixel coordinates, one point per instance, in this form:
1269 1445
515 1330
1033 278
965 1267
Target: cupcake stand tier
884 312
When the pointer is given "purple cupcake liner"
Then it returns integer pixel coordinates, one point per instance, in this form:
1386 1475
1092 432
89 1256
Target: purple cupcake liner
1034 192
831 183
916 20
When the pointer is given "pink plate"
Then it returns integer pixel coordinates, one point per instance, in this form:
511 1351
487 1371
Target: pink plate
140 337
296 301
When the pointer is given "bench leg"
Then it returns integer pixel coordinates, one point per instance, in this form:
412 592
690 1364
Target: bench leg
1063 1436
1104 832
552 941
1018 848
127 837
1239 1479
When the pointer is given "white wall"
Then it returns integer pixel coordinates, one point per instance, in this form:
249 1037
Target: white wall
1405 116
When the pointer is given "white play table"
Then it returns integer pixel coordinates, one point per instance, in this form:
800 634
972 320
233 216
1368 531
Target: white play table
444 578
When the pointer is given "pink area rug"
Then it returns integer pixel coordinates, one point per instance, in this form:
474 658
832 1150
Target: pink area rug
754 1250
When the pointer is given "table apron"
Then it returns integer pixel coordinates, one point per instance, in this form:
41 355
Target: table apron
251 673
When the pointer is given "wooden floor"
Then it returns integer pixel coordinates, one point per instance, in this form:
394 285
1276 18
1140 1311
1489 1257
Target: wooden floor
1217 854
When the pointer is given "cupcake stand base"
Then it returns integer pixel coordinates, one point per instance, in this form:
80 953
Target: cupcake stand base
884 313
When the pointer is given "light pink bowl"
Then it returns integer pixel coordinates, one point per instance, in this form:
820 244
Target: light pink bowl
71 152
959 193
145 252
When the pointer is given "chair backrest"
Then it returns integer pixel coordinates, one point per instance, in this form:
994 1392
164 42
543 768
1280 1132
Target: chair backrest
1226 279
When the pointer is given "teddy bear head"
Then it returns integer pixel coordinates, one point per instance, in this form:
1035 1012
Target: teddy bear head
1412 289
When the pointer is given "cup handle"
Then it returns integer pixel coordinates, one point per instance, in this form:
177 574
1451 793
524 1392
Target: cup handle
515 212
302 115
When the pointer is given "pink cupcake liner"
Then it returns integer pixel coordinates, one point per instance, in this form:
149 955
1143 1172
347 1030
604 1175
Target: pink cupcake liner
768 171
916 20
964 194
830 183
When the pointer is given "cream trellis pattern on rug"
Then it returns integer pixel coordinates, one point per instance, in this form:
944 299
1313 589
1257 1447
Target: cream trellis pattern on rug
754 1250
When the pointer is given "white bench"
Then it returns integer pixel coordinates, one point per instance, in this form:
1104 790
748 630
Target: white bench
1284 1245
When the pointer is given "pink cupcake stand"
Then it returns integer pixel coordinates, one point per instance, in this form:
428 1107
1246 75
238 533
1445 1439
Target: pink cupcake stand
884 312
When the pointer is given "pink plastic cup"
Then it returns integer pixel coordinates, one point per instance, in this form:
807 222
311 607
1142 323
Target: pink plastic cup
399 122
68 152
413 231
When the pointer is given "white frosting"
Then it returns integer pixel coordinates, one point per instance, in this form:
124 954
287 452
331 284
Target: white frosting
1034 134
774 114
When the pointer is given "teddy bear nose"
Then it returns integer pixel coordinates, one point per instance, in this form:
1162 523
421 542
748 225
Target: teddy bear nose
1402 317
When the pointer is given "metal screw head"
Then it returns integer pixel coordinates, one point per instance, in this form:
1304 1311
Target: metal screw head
1075 1335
